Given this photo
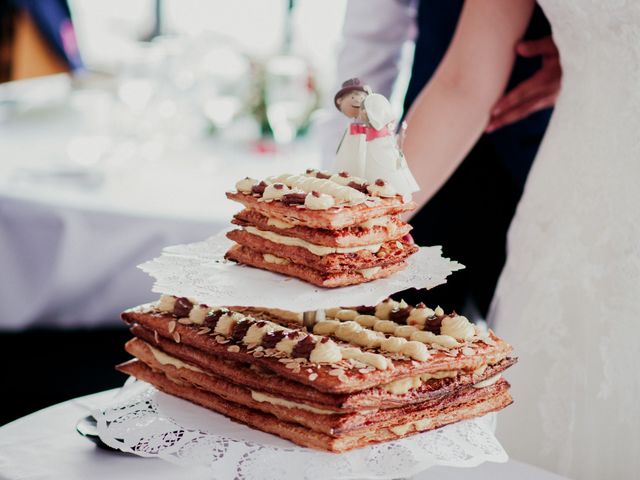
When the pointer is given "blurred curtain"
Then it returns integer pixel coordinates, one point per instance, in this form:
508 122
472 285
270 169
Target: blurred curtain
36 38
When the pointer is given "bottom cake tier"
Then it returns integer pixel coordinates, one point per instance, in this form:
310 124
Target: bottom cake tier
381 426
355 381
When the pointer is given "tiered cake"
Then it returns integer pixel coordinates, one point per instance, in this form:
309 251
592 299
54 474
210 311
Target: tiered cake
329 230
354 375
364 375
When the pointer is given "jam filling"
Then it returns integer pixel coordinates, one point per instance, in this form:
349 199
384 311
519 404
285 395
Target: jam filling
211 320
303 348
364 310
293 198
400 315
361 187
240 330
272 338
433 323
259 188
182 307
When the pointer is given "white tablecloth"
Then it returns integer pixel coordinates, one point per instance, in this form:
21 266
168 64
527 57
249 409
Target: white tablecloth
44 445
71 235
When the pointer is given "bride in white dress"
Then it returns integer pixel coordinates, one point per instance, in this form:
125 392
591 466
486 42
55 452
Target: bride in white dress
569 295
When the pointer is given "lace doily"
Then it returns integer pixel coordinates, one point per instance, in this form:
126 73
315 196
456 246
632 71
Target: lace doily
143 421
198 270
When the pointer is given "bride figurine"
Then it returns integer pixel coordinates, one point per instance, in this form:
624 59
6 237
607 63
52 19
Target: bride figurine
350 156
384 158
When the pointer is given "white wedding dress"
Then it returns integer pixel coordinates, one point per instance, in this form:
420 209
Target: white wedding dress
569 296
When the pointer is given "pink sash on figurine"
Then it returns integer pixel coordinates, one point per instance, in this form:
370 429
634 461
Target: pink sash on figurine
370 132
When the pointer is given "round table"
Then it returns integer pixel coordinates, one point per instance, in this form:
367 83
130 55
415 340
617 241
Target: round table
46 445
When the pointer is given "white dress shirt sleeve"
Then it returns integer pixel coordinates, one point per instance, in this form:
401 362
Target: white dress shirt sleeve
373 35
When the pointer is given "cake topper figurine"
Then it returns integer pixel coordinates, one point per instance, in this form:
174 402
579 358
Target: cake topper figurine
370 147
351 150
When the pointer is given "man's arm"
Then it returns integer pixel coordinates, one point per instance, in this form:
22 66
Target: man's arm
534 94
374 32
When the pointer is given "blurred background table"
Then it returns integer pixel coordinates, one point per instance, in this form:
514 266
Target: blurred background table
79 210
84 198
45 445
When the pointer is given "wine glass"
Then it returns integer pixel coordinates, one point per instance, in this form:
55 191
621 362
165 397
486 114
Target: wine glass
287 96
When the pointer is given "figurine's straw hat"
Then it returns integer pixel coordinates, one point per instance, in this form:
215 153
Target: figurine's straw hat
351 85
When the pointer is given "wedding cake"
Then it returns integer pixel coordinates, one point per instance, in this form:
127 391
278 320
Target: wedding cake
333 379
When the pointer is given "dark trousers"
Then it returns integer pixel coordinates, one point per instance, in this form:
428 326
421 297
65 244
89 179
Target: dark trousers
469 216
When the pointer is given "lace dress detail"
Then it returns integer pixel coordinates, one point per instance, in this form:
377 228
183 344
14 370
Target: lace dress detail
569 296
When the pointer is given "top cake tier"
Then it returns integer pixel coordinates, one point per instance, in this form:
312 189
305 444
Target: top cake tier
318 199
328 230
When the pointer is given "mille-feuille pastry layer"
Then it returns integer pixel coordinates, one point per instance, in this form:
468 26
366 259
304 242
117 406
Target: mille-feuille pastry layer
320 200
470 403
324 421
355 258
255 258
267 383
329 230
378 230
342 356
334 218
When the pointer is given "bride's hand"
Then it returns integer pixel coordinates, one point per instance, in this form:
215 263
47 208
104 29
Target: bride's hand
534 94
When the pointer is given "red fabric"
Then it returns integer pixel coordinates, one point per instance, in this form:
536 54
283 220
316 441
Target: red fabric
370 132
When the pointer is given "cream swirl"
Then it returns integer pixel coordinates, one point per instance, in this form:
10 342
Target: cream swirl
275 191
325 352
381 188
256 332
446 341
321 185
457 327
318 201
418 316
246 184
373 359
343 178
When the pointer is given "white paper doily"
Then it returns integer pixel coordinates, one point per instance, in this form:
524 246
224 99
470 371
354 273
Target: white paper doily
199 271
143 421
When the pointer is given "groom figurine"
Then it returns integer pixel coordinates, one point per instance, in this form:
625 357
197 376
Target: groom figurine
352 148
469 216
